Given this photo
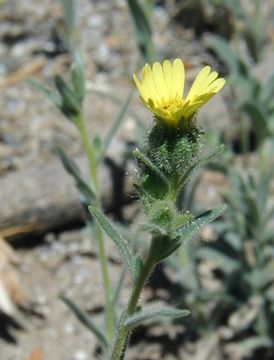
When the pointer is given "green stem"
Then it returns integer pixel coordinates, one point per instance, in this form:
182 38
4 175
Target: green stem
123 333
99 234
90 153
140 282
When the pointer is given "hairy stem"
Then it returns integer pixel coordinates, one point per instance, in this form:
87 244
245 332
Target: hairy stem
98 231
123 333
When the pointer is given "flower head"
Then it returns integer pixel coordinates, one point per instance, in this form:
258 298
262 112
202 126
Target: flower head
162 90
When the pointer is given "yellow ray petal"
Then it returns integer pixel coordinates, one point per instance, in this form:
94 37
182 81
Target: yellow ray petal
167 69
193 108
209 80
178 77
159 81
195 88
142 90
202 99
216 85
161 89
148 83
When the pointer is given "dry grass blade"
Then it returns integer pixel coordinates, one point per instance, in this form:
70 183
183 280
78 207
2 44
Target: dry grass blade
23 73
11 292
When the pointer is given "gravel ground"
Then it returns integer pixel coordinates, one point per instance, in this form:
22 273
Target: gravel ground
31 42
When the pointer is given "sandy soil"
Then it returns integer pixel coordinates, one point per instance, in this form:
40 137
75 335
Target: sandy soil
30 127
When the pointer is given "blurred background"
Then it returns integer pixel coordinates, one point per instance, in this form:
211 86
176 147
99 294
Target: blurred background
226 275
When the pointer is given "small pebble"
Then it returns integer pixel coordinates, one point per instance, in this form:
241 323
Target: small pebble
80 355
69 328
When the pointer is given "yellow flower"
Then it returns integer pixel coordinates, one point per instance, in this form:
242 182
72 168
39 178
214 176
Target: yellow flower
162 90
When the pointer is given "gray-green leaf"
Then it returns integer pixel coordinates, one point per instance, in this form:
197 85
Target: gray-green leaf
117 238
85 319
155 315
193 226
71 105
53 96
74 171
143 30
78 76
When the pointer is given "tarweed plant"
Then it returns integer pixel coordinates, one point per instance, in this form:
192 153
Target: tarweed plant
243 254
174 149
172 153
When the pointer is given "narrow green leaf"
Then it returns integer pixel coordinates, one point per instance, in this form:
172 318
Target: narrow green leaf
119 287
263 277
54 97
270 214
78 76
154 229
268 174
248 346
193 226
227 263
218 297
144 194
70 20
71 105
226 54
85 319
199 163
140 18
268 89
149 4
71 167
246 84
258 115
117 238
234 240
237 9
155 315
69 13
143 30
166 248
97 145
146 161
117 122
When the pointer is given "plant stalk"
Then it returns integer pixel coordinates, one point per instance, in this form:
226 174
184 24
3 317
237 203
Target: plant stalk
123 333
90 154
98 231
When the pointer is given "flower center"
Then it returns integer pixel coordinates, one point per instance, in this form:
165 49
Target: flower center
172 105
